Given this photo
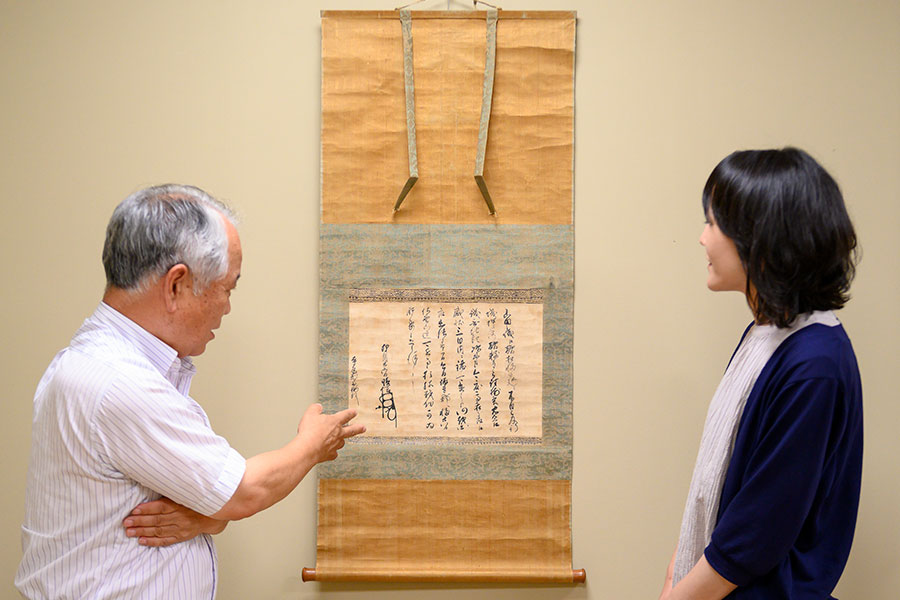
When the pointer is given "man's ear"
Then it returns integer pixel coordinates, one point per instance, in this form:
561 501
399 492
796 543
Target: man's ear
176 282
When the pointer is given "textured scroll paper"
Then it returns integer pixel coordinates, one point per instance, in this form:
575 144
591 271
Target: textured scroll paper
447 364
408 502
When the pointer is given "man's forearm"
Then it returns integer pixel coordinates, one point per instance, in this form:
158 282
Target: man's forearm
268 478
214 526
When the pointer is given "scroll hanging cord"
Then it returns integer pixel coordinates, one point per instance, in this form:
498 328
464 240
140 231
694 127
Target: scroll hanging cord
475 4
413 4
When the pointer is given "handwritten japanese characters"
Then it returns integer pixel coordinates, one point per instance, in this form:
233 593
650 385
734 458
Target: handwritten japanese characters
437 364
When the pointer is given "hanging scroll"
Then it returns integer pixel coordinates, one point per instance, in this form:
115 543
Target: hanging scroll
446 295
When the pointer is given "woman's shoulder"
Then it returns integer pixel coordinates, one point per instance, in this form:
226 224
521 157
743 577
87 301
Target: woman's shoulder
816 351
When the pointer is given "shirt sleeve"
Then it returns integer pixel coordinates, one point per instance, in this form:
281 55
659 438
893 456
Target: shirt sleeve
759 526
150 433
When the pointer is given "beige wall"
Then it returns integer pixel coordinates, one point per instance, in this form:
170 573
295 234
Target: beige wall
100 98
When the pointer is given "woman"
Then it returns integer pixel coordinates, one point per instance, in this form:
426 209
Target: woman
773 499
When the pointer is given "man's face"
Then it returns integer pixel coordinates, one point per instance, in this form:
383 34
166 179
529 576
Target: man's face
200 315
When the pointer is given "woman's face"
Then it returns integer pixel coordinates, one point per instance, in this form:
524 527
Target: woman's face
726 273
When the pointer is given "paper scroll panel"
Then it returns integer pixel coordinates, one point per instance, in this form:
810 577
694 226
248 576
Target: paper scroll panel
439 365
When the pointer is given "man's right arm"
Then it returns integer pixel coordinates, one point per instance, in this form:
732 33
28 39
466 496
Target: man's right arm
271 476
268 478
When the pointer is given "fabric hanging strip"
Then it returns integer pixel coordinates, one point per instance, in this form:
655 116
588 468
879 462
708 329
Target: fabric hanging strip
449 329
490 61
410 90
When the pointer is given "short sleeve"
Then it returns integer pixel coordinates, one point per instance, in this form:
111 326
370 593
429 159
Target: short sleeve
757 529
150 433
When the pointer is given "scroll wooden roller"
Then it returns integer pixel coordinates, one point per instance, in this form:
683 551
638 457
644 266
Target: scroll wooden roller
578 576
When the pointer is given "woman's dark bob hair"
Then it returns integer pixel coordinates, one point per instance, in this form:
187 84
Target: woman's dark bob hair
787 219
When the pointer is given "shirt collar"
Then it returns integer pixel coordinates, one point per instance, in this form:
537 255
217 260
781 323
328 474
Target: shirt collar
163 357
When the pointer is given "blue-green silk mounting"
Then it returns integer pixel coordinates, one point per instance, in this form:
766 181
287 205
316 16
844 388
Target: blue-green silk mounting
452 257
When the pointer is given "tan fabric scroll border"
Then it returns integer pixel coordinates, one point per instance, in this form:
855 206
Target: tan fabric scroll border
410 88
365 128
463 531
490 59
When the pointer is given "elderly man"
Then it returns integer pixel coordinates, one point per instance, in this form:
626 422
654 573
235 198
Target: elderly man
114 427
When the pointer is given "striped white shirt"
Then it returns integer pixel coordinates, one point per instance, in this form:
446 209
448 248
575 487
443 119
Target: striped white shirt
113 427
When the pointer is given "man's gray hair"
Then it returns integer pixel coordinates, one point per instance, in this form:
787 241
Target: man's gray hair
159 227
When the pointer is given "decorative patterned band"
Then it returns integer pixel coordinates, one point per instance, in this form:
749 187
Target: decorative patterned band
521 296
448 440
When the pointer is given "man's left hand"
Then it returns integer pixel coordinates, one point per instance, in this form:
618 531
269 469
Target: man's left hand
164 522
